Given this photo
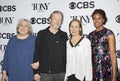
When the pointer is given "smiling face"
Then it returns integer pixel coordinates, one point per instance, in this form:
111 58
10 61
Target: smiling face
75 28
23 28
98 20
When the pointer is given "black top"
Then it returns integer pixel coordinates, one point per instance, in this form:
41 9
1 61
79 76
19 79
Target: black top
50 51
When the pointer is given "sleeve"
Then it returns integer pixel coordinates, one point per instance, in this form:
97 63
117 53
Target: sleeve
6 56
36 52
88 62
66 37
109 32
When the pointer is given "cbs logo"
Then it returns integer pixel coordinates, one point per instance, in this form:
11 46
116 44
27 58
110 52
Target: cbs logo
8 8
82 5
34 20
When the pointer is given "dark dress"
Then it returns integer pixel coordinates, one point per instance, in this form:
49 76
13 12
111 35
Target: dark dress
18 57
102 68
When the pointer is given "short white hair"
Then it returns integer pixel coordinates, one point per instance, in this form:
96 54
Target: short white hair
29 25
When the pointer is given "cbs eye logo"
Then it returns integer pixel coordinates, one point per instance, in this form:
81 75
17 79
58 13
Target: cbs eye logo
72 5
117 19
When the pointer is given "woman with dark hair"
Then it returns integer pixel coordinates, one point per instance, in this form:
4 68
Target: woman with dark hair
103 49
79 63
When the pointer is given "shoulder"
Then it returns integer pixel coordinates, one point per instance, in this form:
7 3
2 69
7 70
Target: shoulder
86 39
42 31
63 32
63 35
91 34
32 36
13 37
110 35
108 32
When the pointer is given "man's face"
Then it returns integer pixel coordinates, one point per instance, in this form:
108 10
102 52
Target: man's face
56 20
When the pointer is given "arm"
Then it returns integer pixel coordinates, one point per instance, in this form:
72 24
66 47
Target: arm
4 76
6 62
37 48
36 57
112 47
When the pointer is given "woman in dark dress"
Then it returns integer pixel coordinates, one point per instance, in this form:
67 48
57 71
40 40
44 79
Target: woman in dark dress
19 54
103 49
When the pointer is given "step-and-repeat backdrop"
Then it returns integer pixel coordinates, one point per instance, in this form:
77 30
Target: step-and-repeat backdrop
38 11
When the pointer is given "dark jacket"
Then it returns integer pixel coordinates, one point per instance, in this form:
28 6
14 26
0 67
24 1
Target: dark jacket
41 52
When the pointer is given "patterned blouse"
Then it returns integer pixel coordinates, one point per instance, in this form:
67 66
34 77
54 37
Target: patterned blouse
102 68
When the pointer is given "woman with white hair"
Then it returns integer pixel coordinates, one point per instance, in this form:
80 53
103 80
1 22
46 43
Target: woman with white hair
19 54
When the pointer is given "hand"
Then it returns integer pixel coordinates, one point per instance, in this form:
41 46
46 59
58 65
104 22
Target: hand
4 76
35 65
37 77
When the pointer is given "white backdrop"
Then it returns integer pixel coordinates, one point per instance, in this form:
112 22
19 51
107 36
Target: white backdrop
38 11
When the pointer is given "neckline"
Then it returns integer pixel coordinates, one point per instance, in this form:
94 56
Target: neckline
100 30
23 38
53 33
76 43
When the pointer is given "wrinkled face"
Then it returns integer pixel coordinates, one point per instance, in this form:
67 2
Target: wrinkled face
56 20
75 28
23 28
98 20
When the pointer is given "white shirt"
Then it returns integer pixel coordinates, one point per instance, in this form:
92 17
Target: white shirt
79 60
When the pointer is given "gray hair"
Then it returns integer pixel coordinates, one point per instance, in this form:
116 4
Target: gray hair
29 25
58 12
